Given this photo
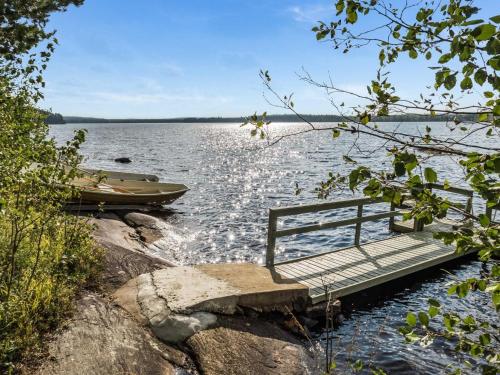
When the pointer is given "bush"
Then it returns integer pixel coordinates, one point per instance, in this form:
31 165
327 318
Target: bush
43 263
46 255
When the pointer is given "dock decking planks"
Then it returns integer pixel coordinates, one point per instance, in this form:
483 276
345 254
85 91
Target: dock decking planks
349 270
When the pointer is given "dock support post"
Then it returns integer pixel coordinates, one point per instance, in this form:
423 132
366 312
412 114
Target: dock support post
468 206
357 234
391 219
271 239
489 212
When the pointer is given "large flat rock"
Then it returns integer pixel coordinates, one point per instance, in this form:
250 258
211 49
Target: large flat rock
180 301
124 257
102 339
248 347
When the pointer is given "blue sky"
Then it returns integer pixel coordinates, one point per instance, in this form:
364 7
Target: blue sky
165 58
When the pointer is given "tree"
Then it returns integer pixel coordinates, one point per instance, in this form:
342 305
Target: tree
45 254
464 51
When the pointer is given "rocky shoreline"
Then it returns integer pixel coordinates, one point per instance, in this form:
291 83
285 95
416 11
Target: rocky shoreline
113 329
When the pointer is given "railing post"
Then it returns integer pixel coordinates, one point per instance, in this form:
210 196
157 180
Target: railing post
357 234
418 225
391 219
271 239
489 212
468 206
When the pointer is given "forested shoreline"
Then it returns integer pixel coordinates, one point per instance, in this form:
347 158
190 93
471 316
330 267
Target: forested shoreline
57 118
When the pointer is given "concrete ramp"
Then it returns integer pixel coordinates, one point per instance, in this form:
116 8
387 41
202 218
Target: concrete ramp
179 301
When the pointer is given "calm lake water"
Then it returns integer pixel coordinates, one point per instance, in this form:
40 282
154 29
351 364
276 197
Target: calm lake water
234 180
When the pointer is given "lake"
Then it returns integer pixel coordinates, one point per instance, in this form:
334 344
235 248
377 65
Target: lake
235 179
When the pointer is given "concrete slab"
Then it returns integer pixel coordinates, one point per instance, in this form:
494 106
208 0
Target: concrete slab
180 301
257 286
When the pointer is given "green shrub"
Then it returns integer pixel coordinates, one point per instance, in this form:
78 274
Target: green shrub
46 256
43 263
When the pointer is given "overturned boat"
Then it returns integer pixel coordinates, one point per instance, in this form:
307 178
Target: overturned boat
98 173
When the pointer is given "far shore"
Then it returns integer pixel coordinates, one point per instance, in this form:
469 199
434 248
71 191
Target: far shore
274 118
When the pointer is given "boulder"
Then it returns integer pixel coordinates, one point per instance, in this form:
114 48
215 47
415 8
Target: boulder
123 160
148 227
250 346
138 219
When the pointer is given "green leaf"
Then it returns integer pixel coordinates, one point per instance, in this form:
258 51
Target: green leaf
358 365
423 318
335 133
411 319
483 117
321 34
484 339
484 32
444 58
413 54
450 82
484 220
433 311
480 76
399 168
466 83
430 175
433 302
495 19
494 62
352 16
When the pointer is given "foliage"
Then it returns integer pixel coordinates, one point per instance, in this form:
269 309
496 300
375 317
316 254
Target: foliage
464 53
45 254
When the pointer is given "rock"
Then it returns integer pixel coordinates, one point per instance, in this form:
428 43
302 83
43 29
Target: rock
179 301
124 257
308 322
148 227
110 229
137 219
319 310
123 160
121 264
175 328
102 339
243 346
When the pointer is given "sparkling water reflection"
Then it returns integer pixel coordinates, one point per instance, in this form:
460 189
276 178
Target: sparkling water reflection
234 180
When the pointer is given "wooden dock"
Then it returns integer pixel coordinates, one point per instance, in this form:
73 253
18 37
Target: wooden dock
345 271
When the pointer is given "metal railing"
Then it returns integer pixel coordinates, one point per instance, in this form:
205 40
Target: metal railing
275 213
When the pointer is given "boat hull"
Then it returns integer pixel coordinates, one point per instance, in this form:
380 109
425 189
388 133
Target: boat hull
120 175
126 192
153 199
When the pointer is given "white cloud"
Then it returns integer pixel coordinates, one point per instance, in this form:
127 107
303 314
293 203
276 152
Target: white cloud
311 13
157 97
171 69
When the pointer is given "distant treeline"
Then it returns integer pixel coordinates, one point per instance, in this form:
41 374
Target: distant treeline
274 118
53 118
